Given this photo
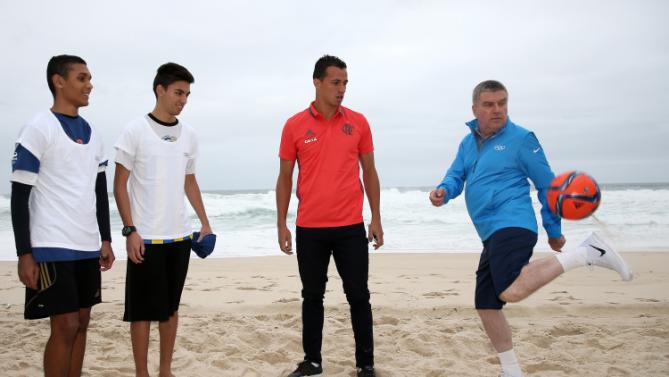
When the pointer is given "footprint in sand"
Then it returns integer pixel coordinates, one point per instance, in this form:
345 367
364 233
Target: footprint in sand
647 300
286 300
386 320
564 298
615 371
656 333
492 360
548 367
408 277
541 342
441 294
568 330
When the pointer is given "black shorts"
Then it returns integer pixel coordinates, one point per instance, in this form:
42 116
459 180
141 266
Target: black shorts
64 287
504 254
153 288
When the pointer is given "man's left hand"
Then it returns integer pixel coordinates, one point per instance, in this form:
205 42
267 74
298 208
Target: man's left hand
206 229
556 243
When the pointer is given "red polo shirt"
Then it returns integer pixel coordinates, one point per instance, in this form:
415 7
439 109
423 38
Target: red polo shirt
329 189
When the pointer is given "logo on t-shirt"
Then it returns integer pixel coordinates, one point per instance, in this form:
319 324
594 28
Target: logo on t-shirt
347 129
309 137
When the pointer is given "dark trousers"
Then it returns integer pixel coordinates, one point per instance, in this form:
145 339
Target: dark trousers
348 245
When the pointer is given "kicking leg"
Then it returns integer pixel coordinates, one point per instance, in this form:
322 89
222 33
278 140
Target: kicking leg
593 251
533 276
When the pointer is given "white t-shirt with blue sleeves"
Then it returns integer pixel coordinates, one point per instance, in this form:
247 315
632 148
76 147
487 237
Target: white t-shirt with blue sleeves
60 156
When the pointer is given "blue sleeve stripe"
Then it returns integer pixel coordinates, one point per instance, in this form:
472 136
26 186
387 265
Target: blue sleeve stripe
24 160
104 163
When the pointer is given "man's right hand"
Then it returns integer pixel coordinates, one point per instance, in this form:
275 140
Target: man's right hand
28 271
134 245
437 197
285 240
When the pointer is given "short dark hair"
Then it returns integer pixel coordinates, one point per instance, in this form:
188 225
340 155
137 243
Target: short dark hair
60 65
327 61
487 86
169 73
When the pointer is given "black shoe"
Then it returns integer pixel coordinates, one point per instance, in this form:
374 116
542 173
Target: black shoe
307 368
367 371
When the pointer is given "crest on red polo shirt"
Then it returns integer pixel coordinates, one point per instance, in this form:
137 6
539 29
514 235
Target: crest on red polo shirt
309 137
347 129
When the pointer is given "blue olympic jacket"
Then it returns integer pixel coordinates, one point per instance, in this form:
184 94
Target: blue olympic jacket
496 171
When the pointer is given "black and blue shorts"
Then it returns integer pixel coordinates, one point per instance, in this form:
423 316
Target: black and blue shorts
504 254
64 287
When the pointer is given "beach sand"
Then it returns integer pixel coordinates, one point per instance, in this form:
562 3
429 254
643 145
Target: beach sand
241 317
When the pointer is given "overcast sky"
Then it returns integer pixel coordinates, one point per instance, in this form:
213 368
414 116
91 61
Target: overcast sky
591 78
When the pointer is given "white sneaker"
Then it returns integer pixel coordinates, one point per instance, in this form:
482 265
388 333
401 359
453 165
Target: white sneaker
601 254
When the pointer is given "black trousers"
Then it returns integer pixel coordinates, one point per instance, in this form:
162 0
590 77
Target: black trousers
348 245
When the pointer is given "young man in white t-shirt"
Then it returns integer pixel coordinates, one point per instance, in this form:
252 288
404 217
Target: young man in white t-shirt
155 169
60 215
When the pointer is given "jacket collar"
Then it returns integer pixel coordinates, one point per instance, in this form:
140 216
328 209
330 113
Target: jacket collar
474 127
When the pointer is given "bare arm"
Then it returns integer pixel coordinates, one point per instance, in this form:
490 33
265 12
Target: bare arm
195 198
373 190
121 176
134 244
284 187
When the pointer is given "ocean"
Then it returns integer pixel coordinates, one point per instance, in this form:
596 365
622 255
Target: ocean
632 217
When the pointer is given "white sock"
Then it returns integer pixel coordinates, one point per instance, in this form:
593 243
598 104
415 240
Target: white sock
509 363
573 258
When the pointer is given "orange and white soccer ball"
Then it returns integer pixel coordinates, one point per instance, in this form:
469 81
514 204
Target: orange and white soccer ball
573 195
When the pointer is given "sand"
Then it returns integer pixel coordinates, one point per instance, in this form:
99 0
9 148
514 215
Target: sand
241 317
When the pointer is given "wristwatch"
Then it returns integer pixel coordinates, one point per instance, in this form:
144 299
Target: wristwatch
127 230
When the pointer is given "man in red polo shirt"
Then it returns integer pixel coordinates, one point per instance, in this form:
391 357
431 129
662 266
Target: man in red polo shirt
330 143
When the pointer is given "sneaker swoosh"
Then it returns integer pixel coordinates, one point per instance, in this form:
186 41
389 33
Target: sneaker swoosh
602 251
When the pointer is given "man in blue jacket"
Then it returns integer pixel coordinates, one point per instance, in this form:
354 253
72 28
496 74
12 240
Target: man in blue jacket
495 160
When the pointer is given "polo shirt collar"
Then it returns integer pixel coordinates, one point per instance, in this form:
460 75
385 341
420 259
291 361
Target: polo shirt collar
314 113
